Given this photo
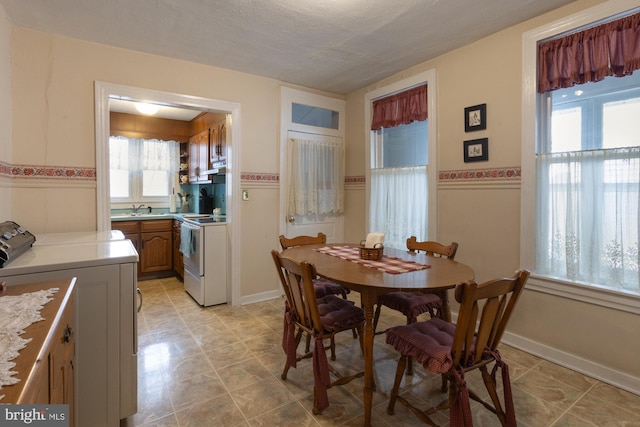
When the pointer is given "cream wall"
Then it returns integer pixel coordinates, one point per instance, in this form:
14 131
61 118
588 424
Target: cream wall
483 215
5 115
53 122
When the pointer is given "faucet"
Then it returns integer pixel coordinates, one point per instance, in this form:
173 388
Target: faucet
135 210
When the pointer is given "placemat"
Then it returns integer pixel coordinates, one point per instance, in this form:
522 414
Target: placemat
387 264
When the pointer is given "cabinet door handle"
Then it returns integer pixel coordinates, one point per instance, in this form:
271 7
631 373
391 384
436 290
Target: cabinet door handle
67 334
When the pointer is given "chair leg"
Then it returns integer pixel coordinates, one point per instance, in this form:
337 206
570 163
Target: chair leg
402 363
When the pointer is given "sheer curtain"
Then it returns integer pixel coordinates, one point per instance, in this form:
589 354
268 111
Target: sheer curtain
317 176
588 219
142 167
398 205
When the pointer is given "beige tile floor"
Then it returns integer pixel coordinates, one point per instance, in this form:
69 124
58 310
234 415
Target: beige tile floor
221 366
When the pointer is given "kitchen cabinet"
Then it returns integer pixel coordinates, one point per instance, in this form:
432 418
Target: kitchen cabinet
105 317
154 242
218 143
199 157
178 259
157 246
46 366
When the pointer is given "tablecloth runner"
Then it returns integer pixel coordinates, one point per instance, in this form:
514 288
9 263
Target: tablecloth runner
387 264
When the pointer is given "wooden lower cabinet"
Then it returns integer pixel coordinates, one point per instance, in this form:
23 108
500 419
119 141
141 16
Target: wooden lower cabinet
178 259
153 239
157 248
46 366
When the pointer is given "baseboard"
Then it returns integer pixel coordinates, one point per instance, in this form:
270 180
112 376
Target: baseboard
591 369
260 297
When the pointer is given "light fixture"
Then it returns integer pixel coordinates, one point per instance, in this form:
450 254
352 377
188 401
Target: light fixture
578 92
145 108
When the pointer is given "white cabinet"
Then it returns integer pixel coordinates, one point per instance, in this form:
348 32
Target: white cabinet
106 340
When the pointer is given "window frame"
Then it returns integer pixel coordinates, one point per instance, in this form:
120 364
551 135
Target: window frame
429 78
531 109
136 188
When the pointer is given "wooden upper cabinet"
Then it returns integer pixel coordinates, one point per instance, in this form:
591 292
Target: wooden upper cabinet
218 142
199 156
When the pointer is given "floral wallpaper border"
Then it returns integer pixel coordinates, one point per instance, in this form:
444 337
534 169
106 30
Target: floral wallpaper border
513 173
47 172
68 172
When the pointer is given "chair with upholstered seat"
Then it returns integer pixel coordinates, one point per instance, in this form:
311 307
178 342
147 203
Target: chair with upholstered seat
413 304
456 349
323 286
321 318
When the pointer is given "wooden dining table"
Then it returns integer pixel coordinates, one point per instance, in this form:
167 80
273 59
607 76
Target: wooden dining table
441 275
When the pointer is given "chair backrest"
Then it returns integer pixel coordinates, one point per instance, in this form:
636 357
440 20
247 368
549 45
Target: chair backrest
481 327
297 281
432 248
285 242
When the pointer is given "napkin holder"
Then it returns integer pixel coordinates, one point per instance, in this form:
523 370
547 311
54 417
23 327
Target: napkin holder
371 254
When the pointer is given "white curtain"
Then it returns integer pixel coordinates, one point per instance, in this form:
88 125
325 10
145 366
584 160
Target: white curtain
588 217
317 176
155 160
398 205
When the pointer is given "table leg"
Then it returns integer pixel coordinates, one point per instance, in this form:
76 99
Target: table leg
446 308
368 302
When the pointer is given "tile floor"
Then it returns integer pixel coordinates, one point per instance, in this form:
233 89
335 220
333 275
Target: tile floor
221 366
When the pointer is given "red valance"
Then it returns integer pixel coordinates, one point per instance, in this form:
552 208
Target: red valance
611 49
400 109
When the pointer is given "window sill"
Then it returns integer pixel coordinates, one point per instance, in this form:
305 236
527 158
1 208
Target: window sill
581 292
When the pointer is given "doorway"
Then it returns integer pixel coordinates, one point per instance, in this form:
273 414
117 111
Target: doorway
318 122
104 92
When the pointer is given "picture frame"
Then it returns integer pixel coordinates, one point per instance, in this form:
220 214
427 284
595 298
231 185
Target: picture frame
476 150
475 118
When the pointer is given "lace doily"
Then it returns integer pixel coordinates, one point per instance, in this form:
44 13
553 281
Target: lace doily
17 312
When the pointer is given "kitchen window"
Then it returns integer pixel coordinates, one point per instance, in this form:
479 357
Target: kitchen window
142 170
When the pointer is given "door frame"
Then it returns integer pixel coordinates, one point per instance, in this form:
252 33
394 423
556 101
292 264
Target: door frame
287 97
102 92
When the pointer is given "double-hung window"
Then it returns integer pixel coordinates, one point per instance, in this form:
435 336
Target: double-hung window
142 170
588 192
585 196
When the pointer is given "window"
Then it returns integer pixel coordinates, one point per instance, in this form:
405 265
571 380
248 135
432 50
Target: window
399 193
580 161
142 170
588 170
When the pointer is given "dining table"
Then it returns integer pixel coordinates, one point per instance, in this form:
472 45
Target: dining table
397 270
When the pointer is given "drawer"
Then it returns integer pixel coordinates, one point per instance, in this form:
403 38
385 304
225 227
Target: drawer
156 225
127 227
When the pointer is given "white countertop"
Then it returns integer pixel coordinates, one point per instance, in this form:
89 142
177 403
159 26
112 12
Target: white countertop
78 237
52 257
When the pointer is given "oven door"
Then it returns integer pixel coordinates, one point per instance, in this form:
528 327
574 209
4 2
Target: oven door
191 246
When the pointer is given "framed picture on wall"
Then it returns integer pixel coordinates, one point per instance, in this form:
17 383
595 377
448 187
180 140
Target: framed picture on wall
475 118
476 150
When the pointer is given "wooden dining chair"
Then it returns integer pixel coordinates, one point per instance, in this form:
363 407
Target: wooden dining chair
455 350
323 286
413 304
321 318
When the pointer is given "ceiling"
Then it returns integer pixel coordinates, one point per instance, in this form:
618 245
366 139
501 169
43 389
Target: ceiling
336 46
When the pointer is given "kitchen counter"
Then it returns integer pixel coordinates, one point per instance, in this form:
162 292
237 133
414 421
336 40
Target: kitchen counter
178 216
